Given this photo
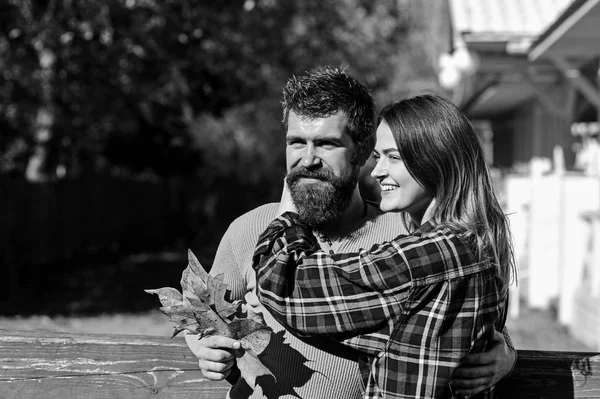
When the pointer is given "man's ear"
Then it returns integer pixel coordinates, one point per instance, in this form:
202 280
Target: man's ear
362 155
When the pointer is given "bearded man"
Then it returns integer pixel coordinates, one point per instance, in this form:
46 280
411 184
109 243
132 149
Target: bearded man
329 123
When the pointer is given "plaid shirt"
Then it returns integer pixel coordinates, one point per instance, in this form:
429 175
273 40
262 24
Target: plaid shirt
415 306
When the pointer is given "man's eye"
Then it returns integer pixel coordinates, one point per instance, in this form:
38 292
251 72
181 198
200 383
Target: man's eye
375 155
329 146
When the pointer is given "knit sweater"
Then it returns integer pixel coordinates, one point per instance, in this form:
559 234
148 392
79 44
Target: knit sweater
317 367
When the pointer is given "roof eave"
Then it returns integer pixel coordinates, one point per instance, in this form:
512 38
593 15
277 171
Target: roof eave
559 30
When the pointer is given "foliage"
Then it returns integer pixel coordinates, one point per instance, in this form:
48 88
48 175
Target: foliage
202 308
185 94
132 85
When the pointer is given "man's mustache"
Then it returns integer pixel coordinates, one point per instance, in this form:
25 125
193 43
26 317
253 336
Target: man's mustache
301 172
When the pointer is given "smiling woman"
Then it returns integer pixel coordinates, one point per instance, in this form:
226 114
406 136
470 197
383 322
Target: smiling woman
400 192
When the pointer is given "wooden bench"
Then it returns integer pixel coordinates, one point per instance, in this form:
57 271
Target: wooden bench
92 366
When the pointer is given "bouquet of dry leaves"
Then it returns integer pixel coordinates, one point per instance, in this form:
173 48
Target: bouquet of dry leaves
202 308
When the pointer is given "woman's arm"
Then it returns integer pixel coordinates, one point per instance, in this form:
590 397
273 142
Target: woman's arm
317 293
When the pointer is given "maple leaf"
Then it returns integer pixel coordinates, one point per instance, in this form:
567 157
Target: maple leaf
202 308
223 307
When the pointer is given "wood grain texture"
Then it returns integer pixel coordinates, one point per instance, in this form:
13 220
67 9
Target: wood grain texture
53 365
60 365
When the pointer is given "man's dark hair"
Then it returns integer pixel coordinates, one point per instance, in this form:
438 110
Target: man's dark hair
325 91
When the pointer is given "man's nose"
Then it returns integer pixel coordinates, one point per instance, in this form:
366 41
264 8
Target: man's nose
310 158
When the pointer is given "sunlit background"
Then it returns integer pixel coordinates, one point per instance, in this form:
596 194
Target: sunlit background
132 130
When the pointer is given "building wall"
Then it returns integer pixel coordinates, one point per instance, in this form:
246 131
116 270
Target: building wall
532 131
557 245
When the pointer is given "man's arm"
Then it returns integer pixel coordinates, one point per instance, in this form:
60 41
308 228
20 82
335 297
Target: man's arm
215 354
227 263
479 371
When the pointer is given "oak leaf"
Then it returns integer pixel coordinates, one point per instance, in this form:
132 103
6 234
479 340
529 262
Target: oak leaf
202 308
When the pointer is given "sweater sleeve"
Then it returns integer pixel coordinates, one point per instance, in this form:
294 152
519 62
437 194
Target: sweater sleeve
227 263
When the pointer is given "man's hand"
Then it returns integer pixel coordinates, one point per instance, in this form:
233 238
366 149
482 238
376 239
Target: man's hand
215 355
286 204
478 371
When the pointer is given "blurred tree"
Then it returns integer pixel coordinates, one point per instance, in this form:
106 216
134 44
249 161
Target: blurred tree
145 86
165 89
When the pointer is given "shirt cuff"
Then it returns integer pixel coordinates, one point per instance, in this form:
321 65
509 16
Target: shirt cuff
286 233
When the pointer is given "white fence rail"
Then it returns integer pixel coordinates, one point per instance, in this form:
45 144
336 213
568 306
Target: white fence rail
555 221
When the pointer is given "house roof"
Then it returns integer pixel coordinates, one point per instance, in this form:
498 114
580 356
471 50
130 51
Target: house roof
500 20
574 34
501 33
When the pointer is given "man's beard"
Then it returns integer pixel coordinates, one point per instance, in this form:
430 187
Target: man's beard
320 202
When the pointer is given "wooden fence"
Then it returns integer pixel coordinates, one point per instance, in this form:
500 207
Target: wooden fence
95 215
556 229
42 222
91 366
91 216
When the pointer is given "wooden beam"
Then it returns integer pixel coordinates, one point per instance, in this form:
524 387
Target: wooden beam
579 81
558 33
564 110
553 375
54 365
485 85
502 63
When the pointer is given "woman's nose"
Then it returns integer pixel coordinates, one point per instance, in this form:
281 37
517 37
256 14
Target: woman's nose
379 170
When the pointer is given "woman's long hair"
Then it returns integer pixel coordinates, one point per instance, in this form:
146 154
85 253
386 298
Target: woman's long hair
442 152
